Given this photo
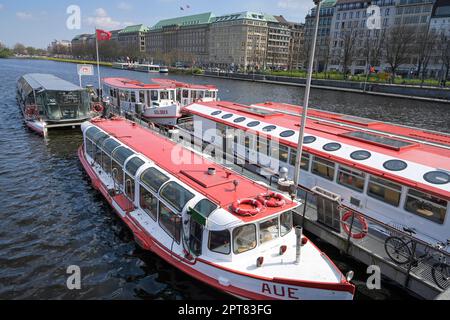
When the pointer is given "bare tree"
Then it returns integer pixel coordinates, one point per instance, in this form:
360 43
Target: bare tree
19 49
444 55
424 47
348 49
397 47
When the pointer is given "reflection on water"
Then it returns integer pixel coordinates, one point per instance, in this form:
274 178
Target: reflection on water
51 217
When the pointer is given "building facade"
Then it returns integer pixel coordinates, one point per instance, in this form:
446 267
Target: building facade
297 52
278 43
183 40
132 38
239 41
322 57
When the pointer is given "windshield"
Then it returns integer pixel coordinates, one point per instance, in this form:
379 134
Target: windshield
65 105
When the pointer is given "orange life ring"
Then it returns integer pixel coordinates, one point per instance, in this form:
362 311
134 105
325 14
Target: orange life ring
362 221
258 206
98 108
272 199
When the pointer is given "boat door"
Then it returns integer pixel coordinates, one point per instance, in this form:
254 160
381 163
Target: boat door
185 97
328 208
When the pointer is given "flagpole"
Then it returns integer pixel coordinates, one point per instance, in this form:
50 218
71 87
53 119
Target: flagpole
306 101
100 91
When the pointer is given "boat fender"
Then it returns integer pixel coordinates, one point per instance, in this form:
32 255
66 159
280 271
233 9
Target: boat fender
258 206
272 199
362 221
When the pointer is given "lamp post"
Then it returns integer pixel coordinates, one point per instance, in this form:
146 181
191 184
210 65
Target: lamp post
306 100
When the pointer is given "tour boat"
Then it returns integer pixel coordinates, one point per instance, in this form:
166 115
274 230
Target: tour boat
163 69
215 225
396 175
149 68
189 93
153 102
47 101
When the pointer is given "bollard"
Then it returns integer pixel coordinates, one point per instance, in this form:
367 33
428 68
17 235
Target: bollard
299 234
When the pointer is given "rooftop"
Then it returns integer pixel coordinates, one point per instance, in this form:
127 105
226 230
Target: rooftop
49 82
197 19
134 29
246 15
441 9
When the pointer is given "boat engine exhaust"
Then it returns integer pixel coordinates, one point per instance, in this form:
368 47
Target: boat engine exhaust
299 234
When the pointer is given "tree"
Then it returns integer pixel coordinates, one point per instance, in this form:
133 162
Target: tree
424 47
444 55
397 47
19 49
348 49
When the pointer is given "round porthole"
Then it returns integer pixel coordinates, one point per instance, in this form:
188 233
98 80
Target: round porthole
227 116
269 128
360 155
253 124
437 177
239 120
309 139
216 113
332 147
287 134
395 165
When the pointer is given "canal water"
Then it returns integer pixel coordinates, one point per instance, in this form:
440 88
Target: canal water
51 217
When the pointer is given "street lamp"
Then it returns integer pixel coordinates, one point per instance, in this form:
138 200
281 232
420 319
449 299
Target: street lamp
306 100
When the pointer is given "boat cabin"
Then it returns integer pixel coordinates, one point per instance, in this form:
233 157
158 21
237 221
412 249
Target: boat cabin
398 181
190 93
47 97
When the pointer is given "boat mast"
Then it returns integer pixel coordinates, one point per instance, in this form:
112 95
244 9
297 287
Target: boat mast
306 98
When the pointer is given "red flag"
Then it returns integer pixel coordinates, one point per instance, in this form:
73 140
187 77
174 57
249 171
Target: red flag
103 35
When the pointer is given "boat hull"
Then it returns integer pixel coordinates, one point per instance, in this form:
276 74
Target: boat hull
232 282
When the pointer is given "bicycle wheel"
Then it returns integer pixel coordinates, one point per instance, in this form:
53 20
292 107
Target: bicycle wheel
397 250
441 275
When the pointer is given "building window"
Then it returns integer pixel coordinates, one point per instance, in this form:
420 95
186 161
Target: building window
244 238
352 179
323 168
220 242
149 203
170 222
384 190
426 206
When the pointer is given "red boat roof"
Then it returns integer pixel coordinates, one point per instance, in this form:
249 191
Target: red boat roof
125 83
389 128
180 84
419 154
219 188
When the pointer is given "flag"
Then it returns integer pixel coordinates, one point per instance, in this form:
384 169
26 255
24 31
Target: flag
103 35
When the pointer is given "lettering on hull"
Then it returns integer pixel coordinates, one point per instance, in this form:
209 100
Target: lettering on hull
280 291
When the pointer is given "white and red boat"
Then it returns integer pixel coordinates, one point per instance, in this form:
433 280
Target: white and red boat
215 225
396 175
159 102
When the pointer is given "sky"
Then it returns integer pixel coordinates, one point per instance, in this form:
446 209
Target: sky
38 22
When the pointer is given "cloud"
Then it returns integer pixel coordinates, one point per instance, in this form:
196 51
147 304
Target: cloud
24 15
103 20
124 6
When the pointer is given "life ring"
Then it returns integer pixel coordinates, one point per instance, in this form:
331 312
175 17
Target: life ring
272 199
362 221
31 111
98 108
258 206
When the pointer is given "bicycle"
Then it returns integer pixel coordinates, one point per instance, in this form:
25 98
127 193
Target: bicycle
400 251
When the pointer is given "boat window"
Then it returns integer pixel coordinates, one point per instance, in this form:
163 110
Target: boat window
208 94
269 128
205 207
239 120
287 134
395 165
352 179
201 94
426 206
121 154
196 238
149 203
142 96
332 147
90 148
109 145
269 230
154 179
99 138
309 139
133 165
286 223
323 168
129 187
117 173
253 124
361 155
154 95
216 113
176 195
170 222
106 162
244 238
227 116
91 132
282 150
185 94
220 242
172 94
384 190
437 177
164 95
263 145
97 142
133 96
305 159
